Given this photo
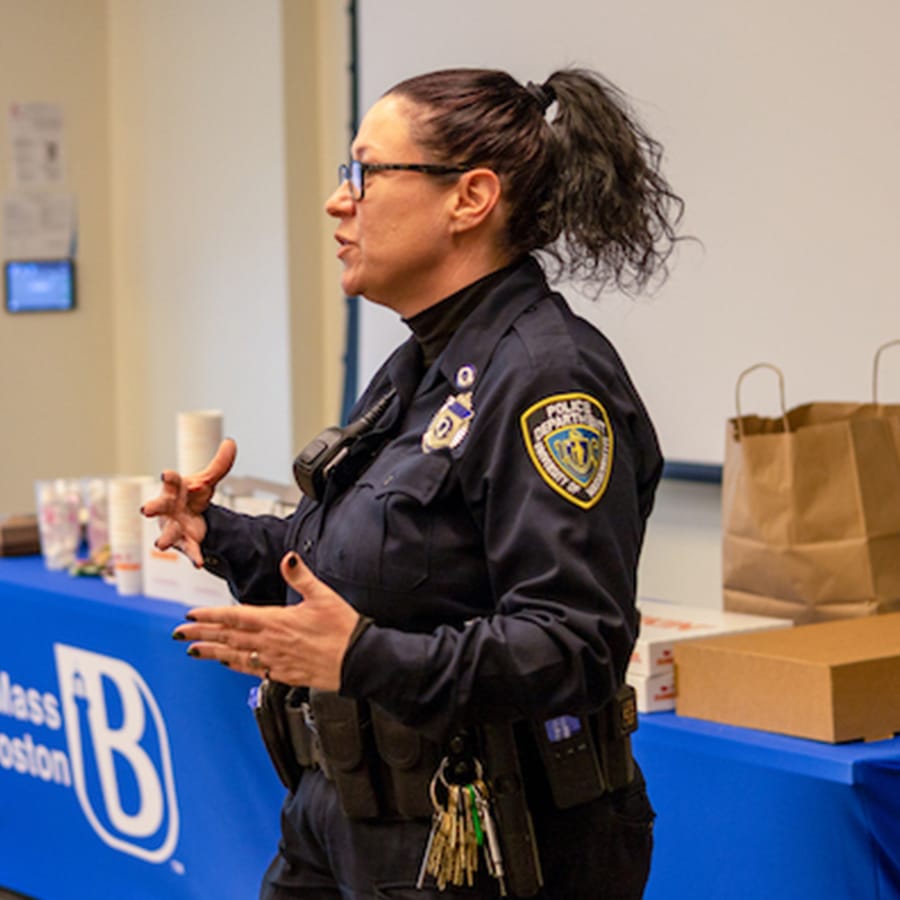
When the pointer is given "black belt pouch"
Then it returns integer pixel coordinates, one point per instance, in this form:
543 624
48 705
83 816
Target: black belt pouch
411 761
342 735
273 727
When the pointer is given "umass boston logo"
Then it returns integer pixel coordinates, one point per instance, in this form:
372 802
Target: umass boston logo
570 442
116 756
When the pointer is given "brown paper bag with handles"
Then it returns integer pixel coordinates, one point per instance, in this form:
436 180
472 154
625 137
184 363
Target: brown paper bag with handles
811 509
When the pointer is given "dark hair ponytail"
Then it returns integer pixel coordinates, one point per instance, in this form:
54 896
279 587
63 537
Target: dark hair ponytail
617 213
581 179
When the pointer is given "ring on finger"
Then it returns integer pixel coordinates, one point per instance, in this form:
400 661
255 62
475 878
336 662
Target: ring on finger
255 661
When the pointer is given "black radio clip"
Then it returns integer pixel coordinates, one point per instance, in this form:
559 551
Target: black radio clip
318 459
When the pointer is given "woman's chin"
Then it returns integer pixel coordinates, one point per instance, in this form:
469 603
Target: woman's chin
349 285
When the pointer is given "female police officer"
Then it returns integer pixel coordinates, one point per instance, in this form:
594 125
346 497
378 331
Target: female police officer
466 562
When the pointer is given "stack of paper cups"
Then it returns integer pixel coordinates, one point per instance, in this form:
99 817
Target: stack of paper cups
125 530
199 434
163 571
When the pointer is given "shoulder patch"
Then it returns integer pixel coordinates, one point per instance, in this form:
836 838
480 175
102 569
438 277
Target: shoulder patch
570 442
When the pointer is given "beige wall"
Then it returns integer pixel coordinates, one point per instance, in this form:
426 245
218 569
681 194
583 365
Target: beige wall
316 116
197 135
199 252
56 369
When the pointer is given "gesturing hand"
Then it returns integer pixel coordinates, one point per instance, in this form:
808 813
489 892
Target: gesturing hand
183 499
303 644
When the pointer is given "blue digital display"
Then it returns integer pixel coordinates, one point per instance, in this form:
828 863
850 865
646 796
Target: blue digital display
39 285
561 728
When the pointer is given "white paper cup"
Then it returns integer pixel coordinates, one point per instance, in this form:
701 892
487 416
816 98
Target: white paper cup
199 433
125 532
128 570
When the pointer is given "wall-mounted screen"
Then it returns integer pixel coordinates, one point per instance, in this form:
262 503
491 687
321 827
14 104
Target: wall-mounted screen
39 285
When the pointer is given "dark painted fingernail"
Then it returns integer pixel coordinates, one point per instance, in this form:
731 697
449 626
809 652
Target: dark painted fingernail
226 664
190 618
293 559
193 651
141 510
179 636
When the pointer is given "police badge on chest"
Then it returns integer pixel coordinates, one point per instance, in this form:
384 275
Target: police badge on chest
450 424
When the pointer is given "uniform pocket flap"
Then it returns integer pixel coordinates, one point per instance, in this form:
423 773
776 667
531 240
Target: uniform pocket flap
416 476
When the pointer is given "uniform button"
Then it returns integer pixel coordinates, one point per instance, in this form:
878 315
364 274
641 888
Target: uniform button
307 545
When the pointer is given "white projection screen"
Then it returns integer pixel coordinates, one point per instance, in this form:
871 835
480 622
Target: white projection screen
781 126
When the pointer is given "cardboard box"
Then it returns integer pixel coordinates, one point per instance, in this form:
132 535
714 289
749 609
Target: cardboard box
163 571
655 693
19 535
169 575
202 588
832 681
664 624
651 671
258 496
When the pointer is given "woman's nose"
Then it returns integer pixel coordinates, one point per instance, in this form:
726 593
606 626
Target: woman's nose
341 202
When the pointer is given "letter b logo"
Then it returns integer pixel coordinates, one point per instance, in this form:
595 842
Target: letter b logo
119 751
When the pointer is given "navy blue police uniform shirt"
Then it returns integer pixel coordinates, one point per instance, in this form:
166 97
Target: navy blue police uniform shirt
489 525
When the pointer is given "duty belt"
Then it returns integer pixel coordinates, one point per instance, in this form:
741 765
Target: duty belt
383 768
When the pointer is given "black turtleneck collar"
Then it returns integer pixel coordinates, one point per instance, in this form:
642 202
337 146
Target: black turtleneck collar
434 326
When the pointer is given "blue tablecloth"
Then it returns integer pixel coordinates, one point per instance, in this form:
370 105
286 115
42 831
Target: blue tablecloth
746 814
127 769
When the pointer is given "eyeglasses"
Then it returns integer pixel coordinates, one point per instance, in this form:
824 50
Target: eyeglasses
355 173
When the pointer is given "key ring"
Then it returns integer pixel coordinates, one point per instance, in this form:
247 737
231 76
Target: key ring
441 776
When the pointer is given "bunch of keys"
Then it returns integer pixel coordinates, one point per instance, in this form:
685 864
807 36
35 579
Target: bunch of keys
461 828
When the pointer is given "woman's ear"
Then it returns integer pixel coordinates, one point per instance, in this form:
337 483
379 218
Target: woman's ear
477 194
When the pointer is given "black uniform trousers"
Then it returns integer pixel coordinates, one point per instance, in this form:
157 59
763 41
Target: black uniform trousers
596 851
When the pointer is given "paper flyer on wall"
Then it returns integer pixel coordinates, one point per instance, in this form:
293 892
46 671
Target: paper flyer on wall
36 144
38 225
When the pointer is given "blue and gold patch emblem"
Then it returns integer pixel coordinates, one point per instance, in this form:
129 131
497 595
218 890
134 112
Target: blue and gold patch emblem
570 442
